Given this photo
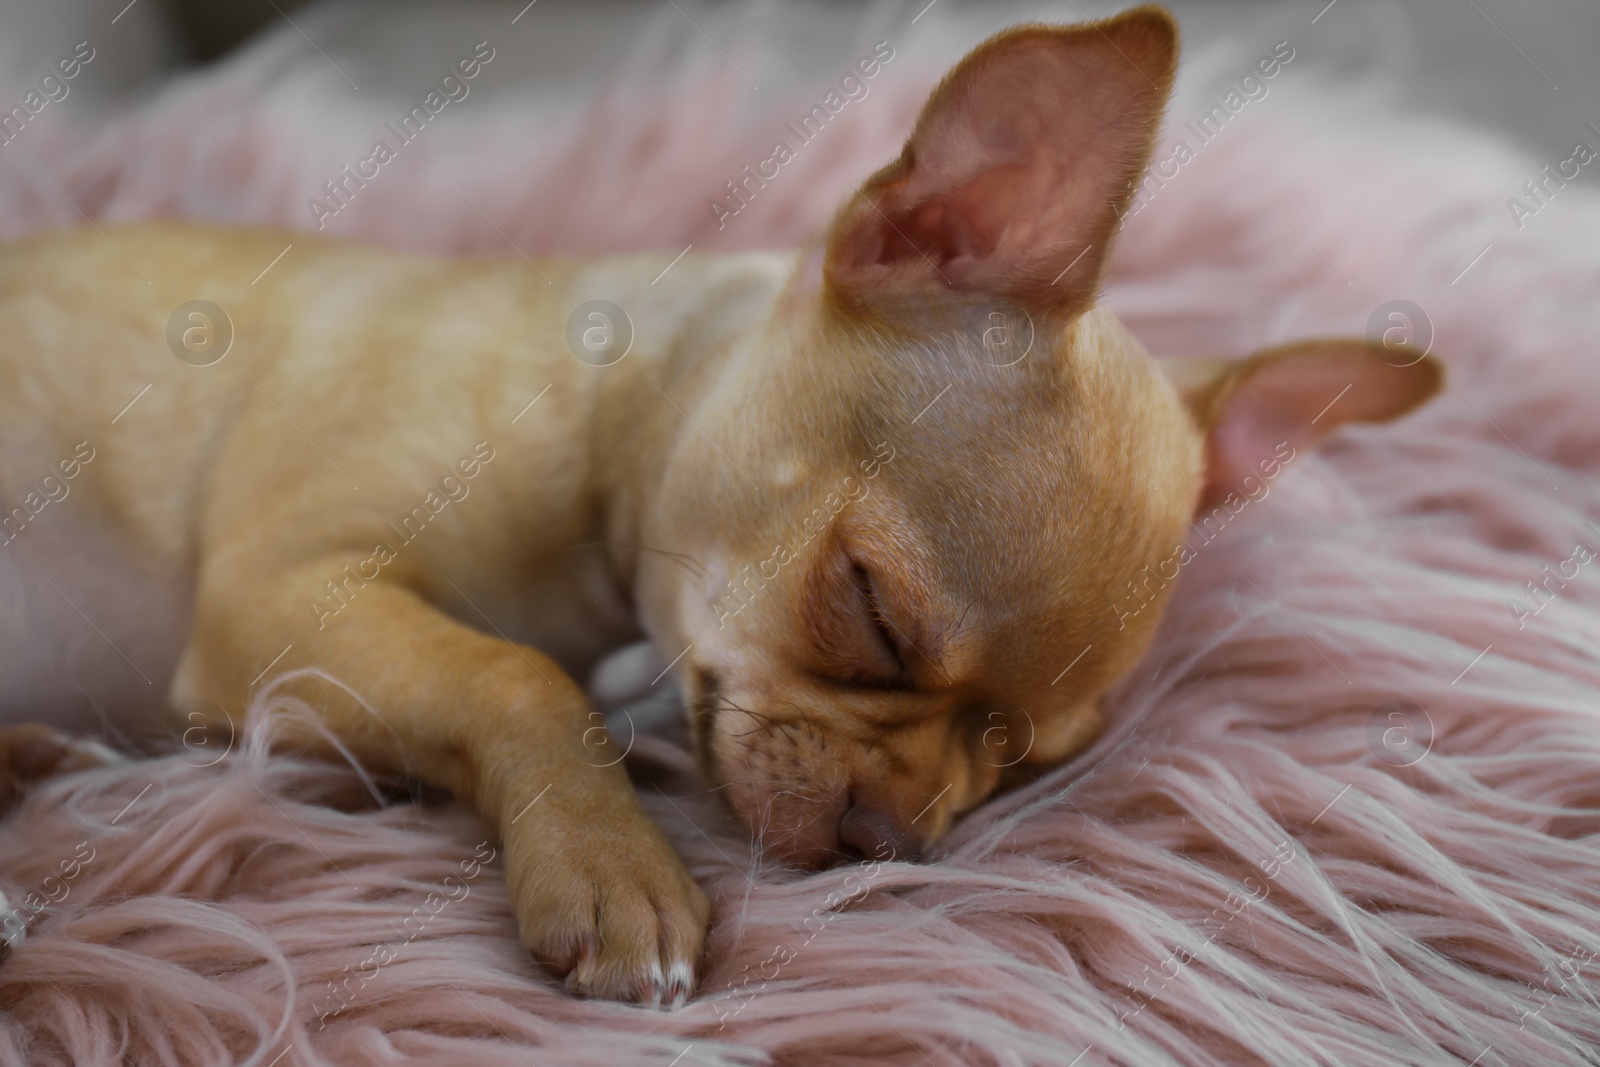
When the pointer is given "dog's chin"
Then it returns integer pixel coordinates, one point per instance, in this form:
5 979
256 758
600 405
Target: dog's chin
813 836
790 832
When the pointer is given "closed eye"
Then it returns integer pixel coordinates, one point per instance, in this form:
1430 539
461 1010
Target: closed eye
892 672
854 643
880 622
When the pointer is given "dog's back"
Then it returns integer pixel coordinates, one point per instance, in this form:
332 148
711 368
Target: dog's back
131 355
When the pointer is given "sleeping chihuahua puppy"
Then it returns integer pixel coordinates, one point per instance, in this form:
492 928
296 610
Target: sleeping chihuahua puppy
875 498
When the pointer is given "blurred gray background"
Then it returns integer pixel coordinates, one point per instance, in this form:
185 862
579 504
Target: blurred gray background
1529 69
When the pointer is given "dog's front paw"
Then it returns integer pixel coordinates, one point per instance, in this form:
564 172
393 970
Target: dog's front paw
602 899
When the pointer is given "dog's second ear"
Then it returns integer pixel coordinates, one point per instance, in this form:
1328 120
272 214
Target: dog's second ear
1014 181
1257 412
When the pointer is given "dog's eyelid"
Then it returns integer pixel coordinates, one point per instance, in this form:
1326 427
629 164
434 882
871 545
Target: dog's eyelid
856 644
880 620
875 685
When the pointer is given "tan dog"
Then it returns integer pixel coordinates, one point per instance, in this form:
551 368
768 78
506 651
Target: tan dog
884 496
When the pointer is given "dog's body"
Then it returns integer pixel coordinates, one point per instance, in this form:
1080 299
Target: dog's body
877 499
436 358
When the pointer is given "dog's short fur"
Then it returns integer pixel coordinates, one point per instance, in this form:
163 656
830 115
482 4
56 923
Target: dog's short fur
885 491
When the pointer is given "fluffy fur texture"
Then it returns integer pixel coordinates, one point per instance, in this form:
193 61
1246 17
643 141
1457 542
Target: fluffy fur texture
1269 860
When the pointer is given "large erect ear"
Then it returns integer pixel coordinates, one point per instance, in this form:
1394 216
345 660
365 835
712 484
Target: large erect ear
1258 412
1016 176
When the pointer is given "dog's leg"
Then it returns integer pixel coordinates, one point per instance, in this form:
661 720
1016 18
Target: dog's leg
598 892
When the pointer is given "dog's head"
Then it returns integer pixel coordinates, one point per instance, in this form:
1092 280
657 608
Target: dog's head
928 498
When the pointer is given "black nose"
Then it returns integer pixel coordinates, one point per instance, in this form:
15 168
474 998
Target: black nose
870 833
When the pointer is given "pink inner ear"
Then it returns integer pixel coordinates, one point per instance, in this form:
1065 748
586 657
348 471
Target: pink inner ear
1018 167
960 229
1245 439
1298 395
1273 405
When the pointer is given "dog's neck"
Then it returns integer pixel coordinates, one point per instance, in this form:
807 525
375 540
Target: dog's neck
690 326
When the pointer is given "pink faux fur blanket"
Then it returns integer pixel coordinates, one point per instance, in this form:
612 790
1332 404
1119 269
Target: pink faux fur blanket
1349 811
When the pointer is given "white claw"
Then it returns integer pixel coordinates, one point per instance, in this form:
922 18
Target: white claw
680 981
656 983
